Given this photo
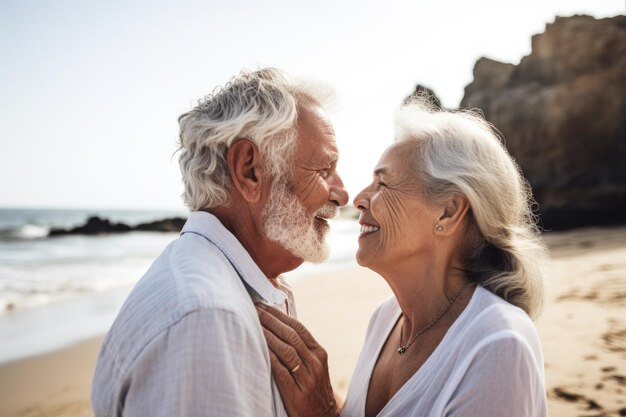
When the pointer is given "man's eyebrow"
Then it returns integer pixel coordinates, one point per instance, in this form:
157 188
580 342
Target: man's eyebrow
380 171
332 157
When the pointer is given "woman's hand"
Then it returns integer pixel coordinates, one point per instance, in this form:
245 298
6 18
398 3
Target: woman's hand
299 365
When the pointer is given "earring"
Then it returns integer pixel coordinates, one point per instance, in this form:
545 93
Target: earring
438 227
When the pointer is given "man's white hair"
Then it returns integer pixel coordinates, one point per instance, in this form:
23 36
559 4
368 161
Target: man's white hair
261 106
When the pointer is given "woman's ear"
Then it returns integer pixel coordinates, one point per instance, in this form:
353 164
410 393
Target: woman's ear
453 214
246 169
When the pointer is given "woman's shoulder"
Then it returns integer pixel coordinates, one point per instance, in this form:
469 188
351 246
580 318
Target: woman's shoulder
491 319
492 313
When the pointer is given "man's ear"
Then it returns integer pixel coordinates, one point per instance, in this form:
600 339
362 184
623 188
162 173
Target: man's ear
246 171
453 214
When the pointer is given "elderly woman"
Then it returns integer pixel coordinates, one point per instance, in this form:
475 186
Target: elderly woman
447 222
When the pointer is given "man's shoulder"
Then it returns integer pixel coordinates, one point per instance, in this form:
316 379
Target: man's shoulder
190 274
203 275
190 278
172 313
192 252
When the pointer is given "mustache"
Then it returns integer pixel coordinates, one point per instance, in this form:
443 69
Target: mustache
328 211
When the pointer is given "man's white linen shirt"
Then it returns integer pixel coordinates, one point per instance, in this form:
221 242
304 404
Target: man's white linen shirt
187 341
489 364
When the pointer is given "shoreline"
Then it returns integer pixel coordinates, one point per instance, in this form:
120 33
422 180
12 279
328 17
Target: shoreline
45 329
582 329
34 331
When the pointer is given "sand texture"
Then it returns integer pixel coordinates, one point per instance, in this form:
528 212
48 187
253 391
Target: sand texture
583 331
54 384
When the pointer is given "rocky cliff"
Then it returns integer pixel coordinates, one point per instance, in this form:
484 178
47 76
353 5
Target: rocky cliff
562 112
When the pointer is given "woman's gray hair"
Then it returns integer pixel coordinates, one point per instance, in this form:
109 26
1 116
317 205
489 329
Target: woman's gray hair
261 106
459 152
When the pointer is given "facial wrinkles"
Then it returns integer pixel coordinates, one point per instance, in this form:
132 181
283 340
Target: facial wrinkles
406 184
310 185
308 171
313 185
404 157
394 220
394 198
325 159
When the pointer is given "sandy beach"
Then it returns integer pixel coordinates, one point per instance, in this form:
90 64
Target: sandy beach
583 331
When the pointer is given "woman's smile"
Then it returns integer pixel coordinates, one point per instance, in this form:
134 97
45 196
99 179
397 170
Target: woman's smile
367 229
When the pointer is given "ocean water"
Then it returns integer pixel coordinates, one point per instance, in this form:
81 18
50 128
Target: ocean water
36 270
55 291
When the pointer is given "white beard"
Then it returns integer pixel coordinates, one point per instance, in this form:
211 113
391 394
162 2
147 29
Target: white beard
285 222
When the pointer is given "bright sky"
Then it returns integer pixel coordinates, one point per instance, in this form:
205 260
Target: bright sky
90 92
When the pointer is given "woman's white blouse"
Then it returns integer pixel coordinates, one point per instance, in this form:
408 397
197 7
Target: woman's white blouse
488 364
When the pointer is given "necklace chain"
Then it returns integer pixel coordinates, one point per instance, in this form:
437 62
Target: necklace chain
403 348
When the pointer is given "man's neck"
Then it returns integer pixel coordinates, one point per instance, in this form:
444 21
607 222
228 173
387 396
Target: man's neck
245 224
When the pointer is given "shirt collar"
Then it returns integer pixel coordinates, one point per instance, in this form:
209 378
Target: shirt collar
209 226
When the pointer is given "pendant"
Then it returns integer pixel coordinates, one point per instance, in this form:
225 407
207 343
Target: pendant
402 350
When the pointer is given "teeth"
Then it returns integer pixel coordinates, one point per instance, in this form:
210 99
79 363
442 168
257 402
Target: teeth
368 229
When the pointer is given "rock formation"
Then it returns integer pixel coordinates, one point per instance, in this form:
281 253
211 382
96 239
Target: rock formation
96 225
562 112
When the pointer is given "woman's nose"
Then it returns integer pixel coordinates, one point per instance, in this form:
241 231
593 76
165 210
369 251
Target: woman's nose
361 201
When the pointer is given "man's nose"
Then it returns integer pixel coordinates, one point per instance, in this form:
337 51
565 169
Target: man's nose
338 193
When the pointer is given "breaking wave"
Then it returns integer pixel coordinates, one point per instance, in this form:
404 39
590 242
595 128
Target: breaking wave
25 232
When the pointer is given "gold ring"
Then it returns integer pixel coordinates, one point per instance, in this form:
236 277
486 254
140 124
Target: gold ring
295 368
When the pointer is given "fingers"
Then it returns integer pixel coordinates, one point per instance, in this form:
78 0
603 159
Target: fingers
299 365
291 351
285 333
281 373
284 353
294 324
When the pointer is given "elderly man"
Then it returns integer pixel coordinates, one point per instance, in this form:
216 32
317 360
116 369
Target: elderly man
258 159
